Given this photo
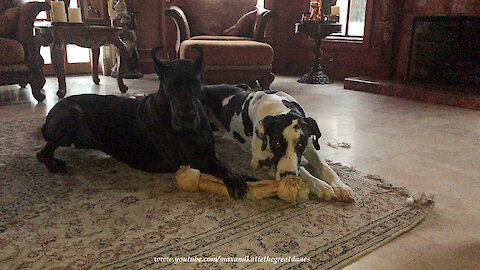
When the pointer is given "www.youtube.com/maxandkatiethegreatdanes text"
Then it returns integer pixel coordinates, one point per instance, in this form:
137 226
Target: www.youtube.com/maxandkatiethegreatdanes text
255 259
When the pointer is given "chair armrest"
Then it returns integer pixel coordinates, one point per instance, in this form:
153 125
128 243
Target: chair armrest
183 29
263 16
26 18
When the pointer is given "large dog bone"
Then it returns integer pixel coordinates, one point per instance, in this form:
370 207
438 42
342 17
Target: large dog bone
291 188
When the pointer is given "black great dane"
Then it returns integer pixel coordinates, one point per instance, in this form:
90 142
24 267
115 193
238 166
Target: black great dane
156 133
274 127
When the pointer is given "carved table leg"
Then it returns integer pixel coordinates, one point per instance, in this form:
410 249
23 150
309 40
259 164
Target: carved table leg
122 51
95 56
316 75
58 57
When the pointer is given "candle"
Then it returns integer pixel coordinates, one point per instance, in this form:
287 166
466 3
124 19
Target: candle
74 15
336 10
58 11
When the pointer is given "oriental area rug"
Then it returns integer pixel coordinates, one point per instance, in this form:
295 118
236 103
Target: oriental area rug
103 214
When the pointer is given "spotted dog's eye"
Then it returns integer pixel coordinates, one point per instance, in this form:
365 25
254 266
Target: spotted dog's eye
299 145
277 145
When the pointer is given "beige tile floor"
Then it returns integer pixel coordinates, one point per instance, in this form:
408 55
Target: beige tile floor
423 147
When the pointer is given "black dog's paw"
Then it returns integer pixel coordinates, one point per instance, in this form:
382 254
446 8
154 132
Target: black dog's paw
237 186
57 166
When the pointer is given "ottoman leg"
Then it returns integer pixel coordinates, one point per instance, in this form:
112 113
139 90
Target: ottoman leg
266 81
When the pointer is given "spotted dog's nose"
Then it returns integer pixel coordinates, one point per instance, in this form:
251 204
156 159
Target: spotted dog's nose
283 174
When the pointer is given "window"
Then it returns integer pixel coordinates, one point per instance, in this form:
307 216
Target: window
352 17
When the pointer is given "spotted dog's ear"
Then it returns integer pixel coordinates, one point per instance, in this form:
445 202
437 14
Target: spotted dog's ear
261 130
314 131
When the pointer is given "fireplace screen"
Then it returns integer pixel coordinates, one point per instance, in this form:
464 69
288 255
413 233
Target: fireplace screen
446 50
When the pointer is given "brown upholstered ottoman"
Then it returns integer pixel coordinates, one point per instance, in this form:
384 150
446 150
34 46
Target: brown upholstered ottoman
232 61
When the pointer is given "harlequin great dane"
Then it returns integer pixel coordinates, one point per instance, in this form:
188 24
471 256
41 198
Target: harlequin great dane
274 127
156 133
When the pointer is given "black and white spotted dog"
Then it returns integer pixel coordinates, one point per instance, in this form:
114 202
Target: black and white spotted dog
274 127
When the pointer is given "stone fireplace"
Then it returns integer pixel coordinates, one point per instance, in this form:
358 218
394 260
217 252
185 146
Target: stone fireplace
445 50
435 56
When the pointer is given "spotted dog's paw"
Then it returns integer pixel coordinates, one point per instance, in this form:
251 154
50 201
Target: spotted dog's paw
343 192
322 190
237 186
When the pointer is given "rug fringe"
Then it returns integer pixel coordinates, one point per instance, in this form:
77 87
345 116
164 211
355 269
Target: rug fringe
420 198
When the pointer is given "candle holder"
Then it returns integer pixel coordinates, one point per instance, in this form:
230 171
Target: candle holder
317 30
320 23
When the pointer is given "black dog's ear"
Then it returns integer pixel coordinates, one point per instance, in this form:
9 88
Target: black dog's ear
261 130
199 62
314 130
159 66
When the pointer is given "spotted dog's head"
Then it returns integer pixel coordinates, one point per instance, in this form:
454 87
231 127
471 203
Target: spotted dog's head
180 82
286 136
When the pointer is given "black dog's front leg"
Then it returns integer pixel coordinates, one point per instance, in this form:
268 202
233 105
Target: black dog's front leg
235 183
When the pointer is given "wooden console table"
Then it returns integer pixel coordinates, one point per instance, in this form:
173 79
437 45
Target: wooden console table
89 36
317 30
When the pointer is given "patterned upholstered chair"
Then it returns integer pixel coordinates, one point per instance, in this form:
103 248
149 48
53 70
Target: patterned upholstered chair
20 60
232 34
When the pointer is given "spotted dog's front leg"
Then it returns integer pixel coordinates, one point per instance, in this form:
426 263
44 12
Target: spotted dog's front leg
317 186
323 170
